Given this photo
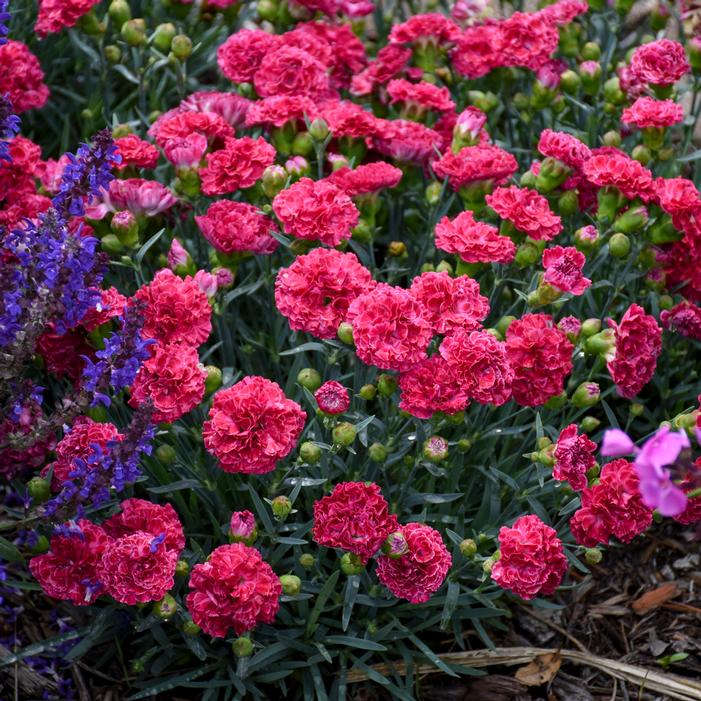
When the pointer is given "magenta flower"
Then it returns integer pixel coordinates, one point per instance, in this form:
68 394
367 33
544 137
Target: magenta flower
652 462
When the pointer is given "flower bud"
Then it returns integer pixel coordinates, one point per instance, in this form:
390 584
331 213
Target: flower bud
267 10
377 452
291 584
191 628
351 564
490 562
337 161
309 378
343 433
435 449
612 138
242 527
570 82
464 445
590 73
591 51
468 547
590 327
568 203
587 239
242 647
503 324
434 192
637 409
663 231
602 343
345 333
39 490
395 546
165 608
557 402
119 12
593 556
572 326
368 392
307 561
126 228
444 267
619 245
589 424
303 144
528 179
613 92
485 101
551 175
112 53
526 254
666 302
310 452
165 453
632 220
386 385
396 249
179 260
181 46
182 568
134 32
213 380
281 507
319 129
586 395
163 36
273 180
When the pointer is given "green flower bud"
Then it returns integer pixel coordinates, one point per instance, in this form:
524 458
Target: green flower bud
111 244
291 584
307 561
570 82
281 507
368 392
273 180
395 546
586 395
303 144
503 324
619 245
587 239
568 203
191 628
165 608
593 556
433 193
345 333
351 564
613 92
444 267
310 452
396 249
637 409
119 12
319 129
386 385
343 433
666 302
182 568
612 138
610 201
527 254
435 449
664 231
242 647
39 490
134 32
309 378
125 226
267 10
214 379
591 51
642 154
528 179
602 343
632 220
557 402
181 46
589 424
490 562
468 547
113 54
163 36
551 175
165 453
377 452
590 327
464 445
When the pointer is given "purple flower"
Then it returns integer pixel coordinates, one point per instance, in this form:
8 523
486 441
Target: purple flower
4 20
9 122
617 443
655 463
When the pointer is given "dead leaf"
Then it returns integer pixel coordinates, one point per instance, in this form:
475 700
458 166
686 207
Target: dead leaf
654 598
541 671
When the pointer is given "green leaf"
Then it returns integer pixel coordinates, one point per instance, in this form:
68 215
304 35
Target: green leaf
324 594
349 597
145 248
310 346
172 682
9 551
350 641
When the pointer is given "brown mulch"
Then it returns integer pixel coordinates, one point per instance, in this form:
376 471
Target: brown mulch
641 605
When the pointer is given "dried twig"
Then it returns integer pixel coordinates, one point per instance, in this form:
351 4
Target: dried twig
645 679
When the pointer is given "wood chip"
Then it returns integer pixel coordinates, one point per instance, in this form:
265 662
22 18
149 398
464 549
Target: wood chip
541 671
654 598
